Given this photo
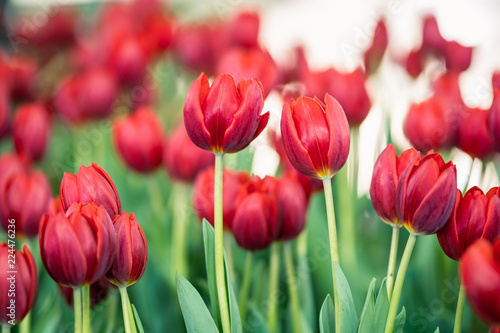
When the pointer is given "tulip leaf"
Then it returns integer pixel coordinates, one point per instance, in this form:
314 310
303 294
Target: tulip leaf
326 316
258 324
437 330
381 308
208 241
196 315
138 321
399 323
234 311
348 316
367 316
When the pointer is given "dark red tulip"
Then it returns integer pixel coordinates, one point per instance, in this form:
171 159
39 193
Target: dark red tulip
128 59
243 30
494 120
132 252
384 185
292 203
23 73
495 80
5 117
31 130
77 248
373 56
224 118
99 291
315 136
182 159
16 305
473 135
157 32
414 63
90 185
66 100
480 271
457 56
432 40
139 140
97 92
426 194
24 198
255 221
10 165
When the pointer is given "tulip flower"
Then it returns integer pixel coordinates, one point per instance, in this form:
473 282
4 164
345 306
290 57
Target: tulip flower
23 74
66 100
139 140
292 203
473 135
4 113
24 198
315 136
132 252
97 93
224 118
10 165
31 129
457 56
373 56
480 271
414 63
432 40
495 80
15 306
494 119
183 159
243 30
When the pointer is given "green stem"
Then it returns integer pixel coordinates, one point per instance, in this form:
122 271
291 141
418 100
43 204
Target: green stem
86 326
334 254
155 195
128 317
245 286
110 324
460 310
274 266
6 328
393 255
398 286
25 324
180 223
350 234
469 176
229 253
219 245
77 305
292 287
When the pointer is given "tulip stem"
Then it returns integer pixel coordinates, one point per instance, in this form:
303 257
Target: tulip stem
25 324
334 254
470 174
128 317
179 226
292 287
245 286
155 196
77 305
393 255
460 310
398 286
219 245
274 266
6 328
86 327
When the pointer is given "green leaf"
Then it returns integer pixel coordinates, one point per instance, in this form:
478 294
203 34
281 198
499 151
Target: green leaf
367 316
348 315
399 323
234 311
381 308
258 323
208 241
138 321
196 315
326 316
437 330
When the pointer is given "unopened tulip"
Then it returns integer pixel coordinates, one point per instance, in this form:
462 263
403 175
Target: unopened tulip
128 59
292 203
432 40
5 117
243 30
31 129
132 252
139 140
23 73
373 56
224 118
457 56
426 194
10 165
77 248
495 80
90 185
18 283
473 135
384 185
414 63
315 136
494 119
98 90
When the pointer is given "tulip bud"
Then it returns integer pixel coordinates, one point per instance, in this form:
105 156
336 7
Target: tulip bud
90 185
22 277
457 56
77 248
494 119
384 186
66 100
183 159
480 271
97 93
99 290
128 59
373 56
432 40
132 254
23 73
24 199
475 216
426 194
203 194
31 130
224 118
194 46
10 165
255 221
414 63
5 117
243 30
495 80
473 136
292 206
139 140
315 136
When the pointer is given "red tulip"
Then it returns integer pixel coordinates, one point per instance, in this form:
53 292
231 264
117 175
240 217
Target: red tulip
457 56
22 73
203 194
77 248
384 185
373 56
10 165
473 136
475 216
139 140
224 118
90 185
24 198
494 120
66 100
414 63
23 278
480 271
495 80
292 203
426 194
182 159
315 136
99 290
97 92
5 117
55 206
128 59
243 30
432 40
31 129
132 252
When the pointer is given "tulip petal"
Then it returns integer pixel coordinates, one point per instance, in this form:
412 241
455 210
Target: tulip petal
340 137
492 225
448 235
69 190
193 113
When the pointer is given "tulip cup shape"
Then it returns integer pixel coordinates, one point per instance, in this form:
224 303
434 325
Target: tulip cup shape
132 252
224 118
426 194
90 185
315 136
25 281
475 216
31 130
9 165
473 135
78 247
480 271
494 117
